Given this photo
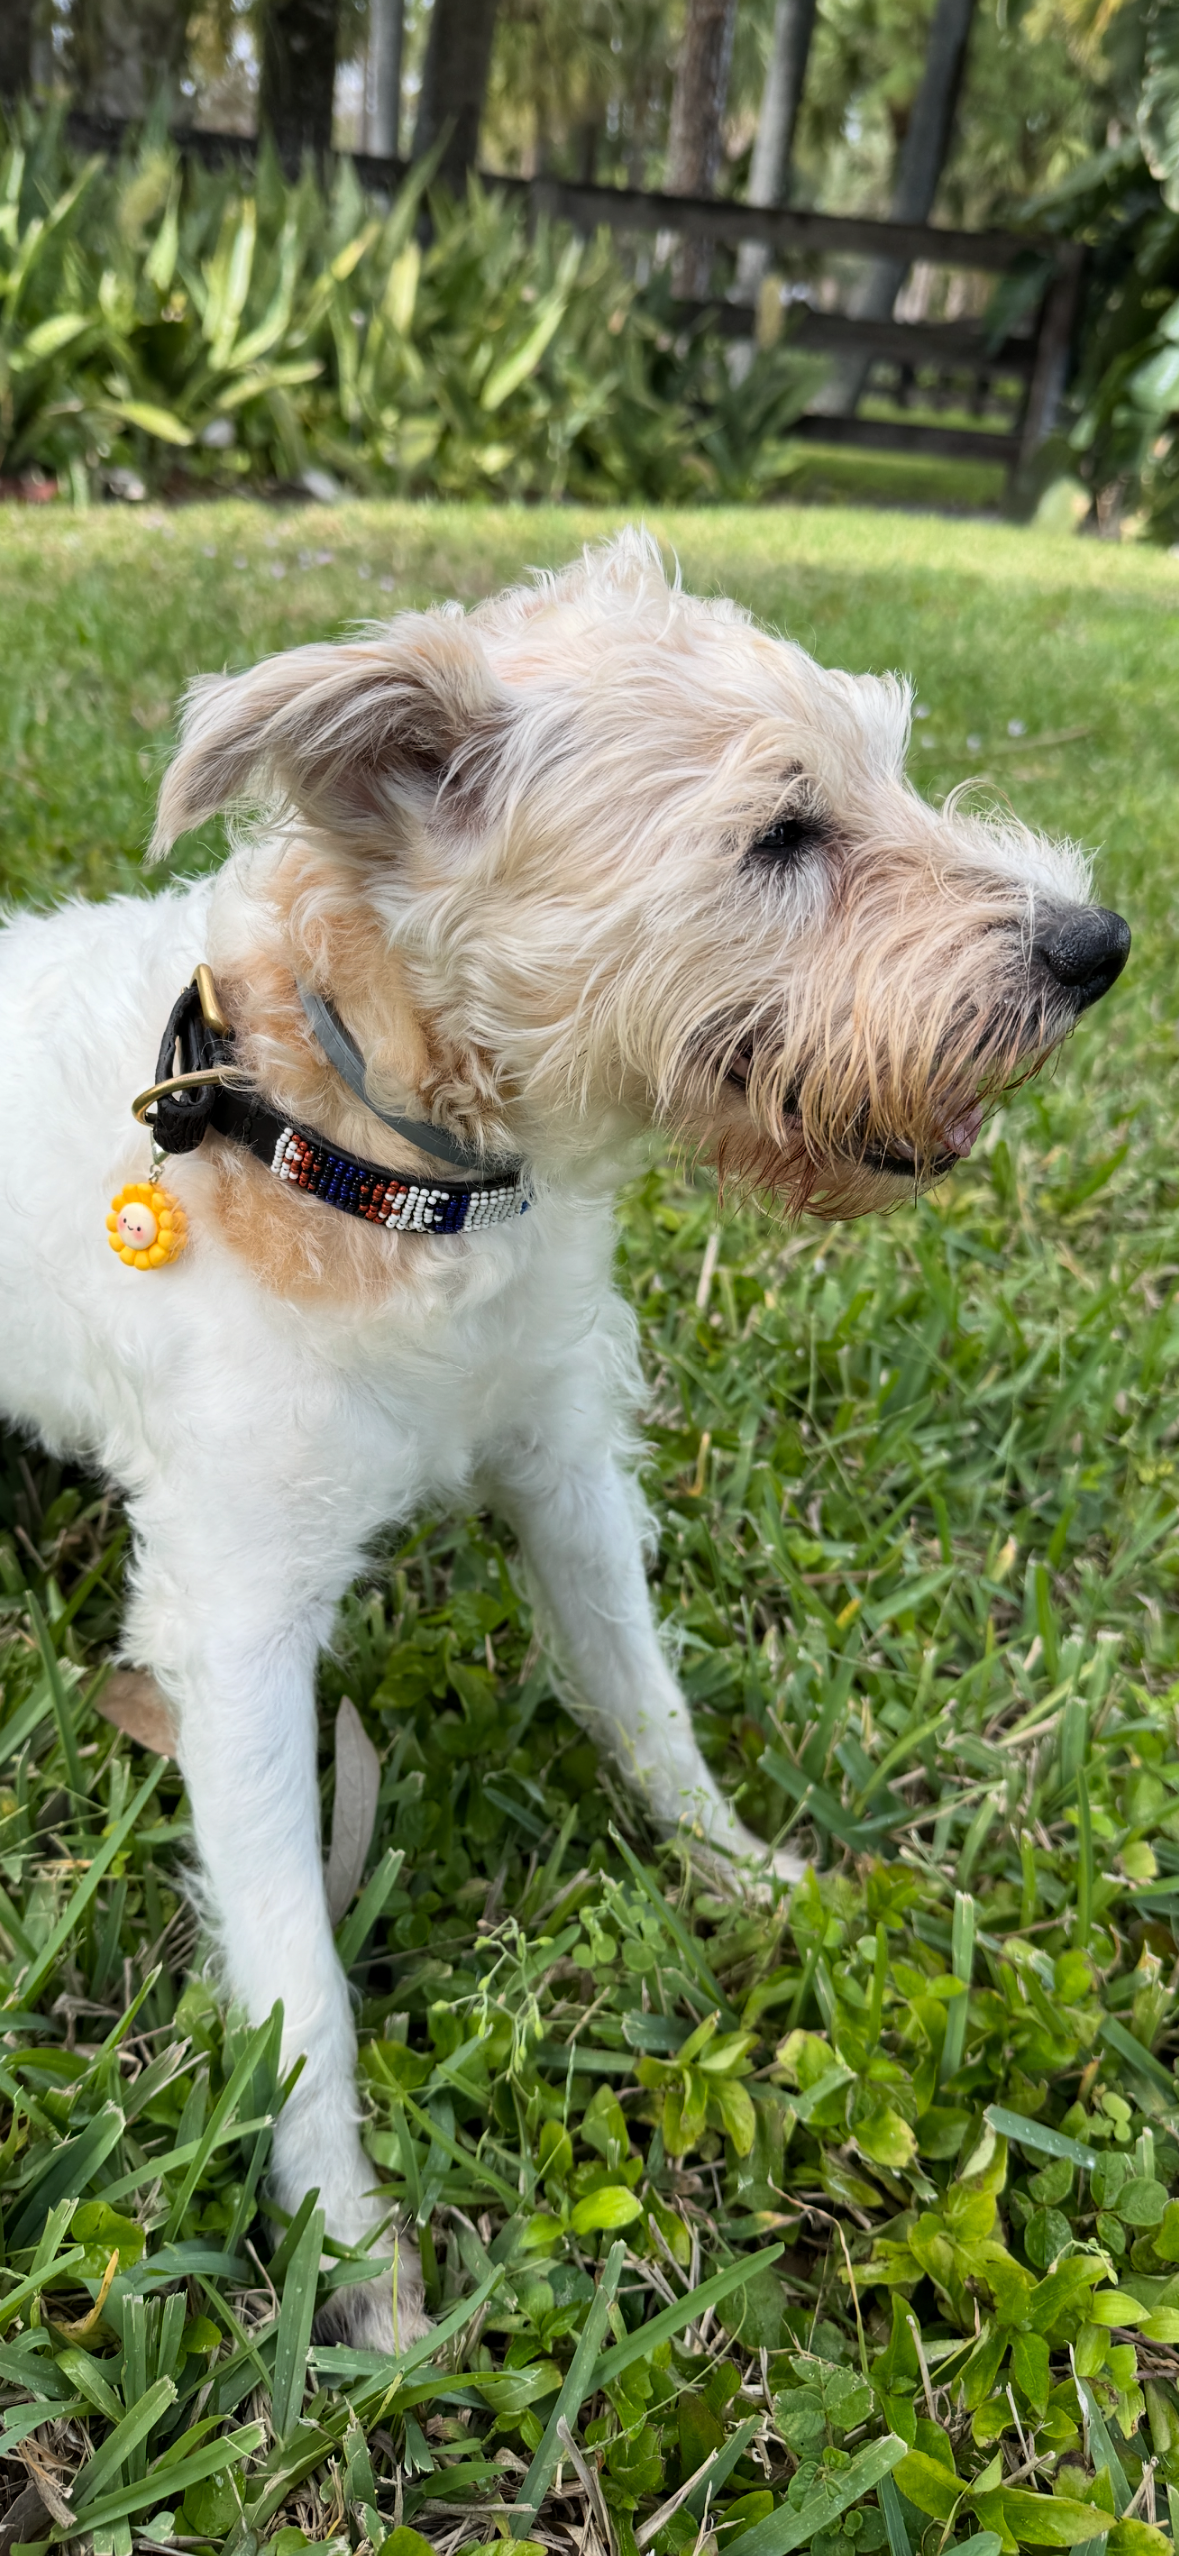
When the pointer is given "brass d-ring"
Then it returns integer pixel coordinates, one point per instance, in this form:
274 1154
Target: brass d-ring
230 1077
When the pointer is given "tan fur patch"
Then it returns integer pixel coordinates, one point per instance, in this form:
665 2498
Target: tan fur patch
309 920
296 1246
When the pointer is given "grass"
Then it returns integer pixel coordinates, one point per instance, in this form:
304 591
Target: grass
842 2221
846 475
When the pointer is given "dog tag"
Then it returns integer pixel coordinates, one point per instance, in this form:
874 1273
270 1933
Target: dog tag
146 1225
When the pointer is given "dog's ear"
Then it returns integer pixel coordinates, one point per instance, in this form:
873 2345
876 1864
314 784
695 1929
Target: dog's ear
344 736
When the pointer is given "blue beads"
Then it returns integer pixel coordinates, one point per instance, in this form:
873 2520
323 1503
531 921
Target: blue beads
398 1201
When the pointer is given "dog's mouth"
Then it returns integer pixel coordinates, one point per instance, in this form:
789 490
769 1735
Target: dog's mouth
900 1157
895 1157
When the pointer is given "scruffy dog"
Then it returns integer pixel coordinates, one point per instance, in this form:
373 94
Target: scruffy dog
594 860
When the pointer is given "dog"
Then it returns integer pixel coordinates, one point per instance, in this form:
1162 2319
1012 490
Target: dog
526 890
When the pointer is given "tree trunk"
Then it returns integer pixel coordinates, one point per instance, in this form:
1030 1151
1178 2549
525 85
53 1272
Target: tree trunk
769 176
696 130
126 54
926 145
16 48
454 85
924 153
383 120
298 79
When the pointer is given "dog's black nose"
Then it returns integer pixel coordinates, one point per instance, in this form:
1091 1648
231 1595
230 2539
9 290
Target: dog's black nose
1085 950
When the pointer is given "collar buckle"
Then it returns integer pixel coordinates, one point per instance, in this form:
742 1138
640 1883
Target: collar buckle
195 1058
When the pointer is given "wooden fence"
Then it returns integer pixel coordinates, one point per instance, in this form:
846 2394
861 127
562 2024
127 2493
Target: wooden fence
1026 368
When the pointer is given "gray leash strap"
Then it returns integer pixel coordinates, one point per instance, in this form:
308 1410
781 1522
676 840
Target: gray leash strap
343 1052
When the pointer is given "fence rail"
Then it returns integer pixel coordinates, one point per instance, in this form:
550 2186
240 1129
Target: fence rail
1035 355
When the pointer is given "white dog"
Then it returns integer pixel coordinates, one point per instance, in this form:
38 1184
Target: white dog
596 860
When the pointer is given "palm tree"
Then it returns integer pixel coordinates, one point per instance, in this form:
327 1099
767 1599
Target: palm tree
298 75
697 123
454 84
769 175
382 123
16 48
923 156
125 54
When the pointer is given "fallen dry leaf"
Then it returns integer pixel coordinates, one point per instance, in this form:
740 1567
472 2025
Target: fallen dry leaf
358 1781
78 2329
49 2491
133 1702
149 712
29 2517
1047 737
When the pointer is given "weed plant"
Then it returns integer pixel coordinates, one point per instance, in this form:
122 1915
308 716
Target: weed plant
845 2217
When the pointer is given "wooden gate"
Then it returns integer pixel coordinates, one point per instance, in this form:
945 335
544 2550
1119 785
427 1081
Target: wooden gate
1033 355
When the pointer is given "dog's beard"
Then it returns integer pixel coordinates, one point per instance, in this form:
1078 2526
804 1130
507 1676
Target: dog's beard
781 1166
829 1142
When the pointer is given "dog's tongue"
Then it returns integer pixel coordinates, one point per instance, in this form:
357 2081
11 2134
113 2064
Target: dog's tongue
962 1135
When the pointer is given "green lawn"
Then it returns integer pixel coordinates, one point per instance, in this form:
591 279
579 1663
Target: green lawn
850 475
916 1483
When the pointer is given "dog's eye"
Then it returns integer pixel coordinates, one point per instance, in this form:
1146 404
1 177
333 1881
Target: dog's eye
787 839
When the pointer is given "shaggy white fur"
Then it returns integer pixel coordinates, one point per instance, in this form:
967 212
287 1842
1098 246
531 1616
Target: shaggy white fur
530 855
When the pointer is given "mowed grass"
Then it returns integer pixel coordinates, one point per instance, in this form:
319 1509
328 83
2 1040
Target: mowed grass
916 1488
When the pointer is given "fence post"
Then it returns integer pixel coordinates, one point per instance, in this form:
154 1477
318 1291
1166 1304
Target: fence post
1052 351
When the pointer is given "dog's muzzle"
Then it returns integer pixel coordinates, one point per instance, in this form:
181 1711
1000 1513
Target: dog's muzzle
1077 953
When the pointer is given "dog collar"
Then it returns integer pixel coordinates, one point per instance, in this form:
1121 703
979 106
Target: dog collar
198 1086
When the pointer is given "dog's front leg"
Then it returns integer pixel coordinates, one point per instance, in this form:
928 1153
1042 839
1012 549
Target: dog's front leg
582 1528
243 1688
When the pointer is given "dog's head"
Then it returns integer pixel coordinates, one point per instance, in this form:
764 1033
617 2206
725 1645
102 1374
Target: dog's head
649 865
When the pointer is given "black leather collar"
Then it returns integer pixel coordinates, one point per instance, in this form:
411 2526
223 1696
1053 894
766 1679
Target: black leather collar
199 1086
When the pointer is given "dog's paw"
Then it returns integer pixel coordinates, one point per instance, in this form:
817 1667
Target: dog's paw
741 1863
766 1859
365 2314
785 1866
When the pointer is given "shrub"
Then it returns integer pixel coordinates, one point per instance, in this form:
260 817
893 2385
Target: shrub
183 323
1125 205
1124 398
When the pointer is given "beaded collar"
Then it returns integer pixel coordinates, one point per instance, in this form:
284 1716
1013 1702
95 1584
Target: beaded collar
199 1087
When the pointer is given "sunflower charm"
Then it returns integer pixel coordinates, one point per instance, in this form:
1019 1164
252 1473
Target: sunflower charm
146 1225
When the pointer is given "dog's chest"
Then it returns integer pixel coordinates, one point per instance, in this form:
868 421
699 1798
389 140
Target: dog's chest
522 1339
